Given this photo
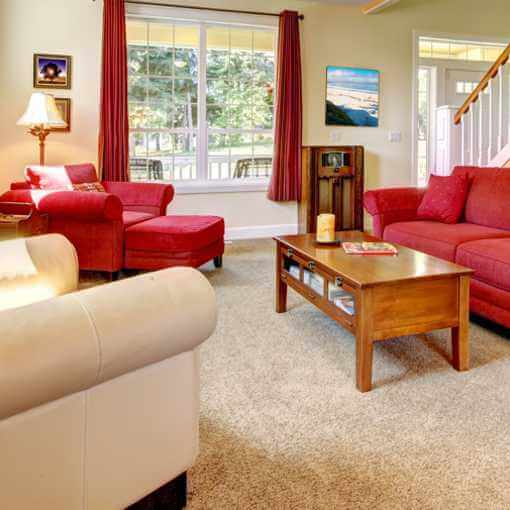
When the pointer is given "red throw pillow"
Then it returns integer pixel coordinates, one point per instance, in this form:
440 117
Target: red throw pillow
89 186
444 199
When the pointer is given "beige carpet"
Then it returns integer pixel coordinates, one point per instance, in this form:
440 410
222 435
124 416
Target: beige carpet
283 427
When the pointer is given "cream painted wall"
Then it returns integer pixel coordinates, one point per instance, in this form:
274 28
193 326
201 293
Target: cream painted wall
69 27
331 35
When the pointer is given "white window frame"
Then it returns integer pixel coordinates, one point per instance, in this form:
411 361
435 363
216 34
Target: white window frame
204 20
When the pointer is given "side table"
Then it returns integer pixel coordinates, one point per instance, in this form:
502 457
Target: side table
19 219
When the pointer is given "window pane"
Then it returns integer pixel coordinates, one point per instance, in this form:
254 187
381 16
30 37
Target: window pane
137 59
136 33
161 35
217 116
186 62
137 88
263 144
150 115
185 116
160 61
218 91
185 91
160 89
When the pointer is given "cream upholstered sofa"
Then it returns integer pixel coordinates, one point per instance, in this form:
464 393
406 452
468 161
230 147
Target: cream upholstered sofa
36 268
99 392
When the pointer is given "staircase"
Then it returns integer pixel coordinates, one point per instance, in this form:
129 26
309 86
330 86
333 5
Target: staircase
478 133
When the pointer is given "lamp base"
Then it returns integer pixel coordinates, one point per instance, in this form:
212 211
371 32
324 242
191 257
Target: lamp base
41 132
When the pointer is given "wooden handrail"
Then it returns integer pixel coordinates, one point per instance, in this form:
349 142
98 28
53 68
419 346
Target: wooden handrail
490 75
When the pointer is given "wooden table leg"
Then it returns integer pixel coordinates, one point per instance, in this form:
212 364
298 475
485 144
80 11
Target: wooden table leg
460 334
364 344
280 285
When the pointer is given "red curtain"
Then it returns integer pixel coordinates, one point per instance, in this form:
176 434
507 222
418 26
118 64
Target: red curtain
286 179
114 123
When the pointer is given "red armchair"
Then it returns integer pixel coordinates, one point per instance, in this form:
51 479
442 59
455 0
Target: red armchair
94 222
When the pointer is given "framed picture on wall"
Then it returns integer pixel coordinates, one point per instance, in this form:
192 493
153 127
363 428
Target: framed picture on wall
64 107
52 71
352 97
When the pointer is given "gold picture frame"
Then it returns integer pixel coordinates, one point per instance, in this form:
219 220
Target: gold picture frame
64 107
52 71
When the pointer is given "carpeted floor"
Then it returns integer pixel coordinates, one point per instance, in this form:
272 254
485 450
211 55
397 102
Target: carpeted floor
283 427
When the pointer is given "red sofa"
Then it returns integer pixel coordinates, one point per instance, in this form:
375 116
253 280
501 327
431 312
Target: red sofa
480 241
94 222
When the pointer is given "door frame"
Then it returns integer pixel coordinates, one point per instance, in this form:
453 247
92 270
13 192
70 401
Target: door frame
416 65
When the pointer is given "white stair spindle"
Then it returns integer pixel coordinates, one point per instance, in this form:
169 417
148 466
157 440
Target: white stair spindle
505 78
480 128
501 82
463 140
472 135
491 121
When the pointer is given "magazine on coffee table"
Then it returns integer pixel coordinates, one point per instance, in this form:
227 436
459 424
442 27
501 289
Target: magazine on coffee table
368 248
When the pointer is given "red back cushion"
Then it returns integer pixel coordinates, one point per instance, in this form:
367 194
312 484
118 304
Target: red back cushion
59 177
444 199
488 197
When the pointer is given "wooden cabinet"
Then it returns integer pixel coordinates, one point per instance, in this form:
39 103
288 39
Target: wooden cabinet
332 182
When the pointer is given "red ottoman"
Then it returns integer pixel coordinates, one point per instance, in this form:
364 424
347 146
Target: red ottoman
168 241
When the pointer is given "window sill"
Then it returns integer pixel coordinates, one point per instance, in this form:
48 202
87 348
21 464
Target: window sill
223 186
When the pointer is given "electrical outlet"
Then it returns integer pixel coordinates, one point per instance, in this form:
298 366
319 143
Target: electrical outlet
395 136
335 136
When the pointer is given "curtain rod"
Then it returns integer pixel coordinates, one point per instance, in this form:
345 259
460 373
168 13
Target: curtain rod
197 8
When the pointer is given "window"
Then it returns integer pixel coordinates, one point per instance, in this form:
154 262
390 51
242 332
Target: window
466 87
201 102
436 48
424 82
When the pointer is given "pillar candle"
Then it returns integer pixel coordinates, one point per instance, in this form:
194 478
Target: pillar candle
326 228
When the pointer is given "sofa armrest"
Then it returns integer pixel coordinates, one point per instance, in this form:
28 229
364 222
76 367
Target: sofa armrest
392 205
20 185
86 206
142 196
56 270
71 343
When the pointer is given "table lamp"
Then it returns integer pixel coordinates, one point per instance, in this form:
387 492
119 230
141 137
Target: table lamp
41 115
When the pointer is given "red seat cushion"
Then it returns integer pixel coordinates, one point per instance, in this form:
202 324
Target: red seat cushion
132 217
175 233
444 199
438 239
489 258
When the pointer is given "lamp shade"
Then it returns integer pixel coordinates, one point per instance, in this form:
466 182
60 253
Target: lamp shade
42 110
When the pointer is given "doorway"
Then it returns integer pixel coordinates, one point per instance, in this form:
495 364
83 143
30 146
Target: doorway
447 70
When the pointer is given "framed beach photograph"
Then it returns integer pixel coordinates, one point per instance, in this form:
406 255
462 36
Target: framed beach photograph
52 71
352 97
64 107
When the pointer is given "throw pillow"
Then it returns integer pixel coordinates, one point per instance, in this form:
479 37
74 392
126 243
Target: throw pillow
59 177
89 186
48 177
444 199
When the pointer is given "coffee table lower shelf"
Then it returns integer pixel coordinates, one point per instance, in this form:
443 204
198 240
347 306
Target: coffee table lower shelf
382 311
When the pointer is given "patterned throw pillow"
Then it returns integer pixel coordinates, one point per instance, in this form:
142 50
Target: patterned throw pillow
89 186
444 199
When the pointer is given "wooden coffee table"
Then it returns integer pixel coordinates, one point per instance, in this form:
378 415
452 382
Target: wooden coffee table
409 293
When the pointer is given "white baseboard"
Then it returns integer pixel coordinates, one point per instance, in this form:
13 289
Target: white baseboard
259 232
